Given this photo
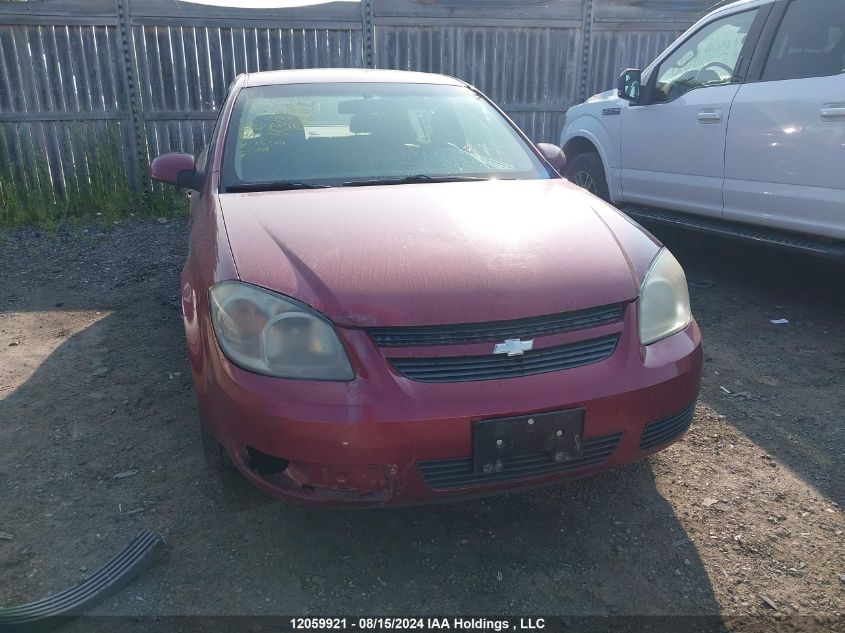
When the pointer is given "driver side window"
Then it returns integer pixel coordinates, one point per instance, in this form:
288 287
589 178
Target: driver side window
708 58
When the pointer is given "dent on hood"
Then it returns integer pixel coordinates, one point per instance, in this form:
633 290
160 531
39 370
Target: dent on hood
638 245
311 286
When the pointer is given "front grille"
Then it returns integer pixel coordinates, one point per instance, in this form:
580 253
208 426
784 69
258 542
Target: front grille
443 474
466 333
496 366
662 431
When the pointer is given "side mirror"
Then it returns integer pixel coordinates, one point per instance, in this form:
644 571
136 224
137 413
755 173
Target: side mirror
176 169
629 84
554 155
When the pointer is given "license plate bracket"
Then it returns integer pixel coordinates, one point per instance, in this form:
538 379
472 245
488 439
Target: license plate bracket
559 434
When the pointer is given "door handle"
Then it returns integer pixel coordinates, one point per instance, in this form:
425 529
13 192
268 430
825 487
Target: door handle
709 116
833 112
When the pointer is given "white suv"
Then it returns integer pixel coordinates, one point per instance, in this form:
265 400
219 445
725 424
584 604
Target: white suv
737 128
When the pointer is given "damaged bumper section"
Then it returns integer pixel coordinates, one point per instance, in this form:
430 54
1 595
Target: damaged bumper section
383 439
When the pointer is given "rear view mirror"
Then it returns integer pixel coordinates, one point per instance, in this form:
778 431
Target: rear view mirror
554 155
629 84
366 105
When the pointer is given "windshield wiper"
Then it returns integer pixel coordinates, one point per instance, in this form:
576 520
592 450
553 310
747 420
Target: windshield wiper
417 178
275 185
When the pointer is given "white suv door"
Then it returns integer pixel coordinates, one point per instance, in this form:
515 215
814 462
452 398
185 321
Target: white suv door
785 153
673 145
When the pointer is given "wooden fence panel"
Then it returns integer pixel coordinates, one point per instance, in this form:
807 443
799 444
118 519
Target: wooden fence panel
185 71
60 83
64 78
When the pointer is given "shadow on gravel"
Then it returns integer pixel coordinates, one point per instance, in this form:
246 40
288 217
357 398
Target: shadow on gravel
91 439
102 441
787 380
606 545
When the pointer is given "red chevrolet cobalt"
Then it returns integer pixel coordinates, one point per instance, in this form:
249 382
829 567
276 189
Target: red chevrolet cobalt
391 296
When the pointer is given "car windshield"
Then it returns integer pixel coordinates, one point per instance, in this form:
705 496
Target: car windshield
310 135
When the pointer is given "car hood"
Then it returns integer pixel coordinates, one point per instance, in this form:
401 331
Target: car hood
607 95
430 253
609 98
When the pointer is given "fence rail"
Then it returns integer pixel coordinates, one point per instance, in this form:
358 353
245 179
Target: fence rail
79 77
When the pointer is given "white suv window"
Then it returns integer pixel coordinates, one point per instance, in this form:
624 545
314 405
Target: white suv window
810 41
708 58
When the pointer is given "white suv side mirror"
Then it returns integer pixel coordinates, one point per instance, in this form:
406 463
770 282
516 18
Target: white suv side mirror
629 84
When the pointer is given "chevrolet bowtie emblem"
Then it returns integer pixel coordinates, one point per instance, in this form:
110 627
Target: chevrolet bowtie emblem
513 347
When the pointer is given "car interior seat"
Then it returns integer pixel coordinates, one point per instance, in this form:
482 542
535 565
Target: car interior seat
276 152
385 138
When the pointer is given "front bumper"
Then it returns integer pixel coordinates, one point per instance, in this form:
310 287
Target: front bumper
383 439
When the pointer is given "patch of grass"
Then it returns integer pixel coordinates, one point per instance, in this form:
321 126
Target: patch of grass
166 201
97 189
22 200
102 184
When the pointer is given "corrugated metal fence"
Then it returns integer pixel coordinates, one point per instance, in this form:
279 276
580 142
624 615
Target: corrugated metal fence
79 78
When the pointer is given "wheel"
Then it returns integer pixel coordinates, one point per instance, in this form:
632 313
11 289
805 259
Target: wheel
586 171
215 455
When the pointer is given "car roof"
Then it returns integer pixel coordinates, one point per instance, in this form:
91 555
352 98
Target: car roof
346 75
727 7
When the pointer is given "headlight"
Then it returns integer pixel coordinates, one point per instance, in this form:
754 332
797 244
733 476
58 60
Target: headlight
664 299
265 333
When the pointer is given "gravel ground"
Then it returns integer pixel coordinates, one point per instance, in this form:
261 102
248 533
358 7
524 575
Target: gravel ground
99 438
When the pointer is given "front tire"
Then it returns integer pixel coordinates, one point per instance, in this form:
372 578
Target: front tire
587 171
